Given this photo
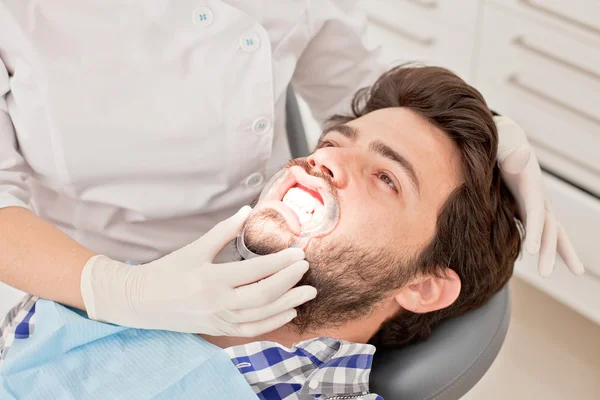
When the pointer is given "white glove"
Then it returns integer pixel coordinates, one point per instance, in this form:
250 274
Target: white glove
523 176
185 292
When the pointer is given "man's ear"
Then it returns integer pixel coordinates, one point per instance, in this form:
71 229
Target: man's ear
428 293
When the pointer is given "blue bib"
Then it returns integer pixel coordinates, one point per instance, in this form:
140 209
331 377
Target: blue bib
71 357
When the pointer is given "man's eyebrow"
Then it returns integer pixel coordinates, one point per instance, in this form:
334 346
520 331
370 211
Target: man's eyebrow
386 151
380 148
345 130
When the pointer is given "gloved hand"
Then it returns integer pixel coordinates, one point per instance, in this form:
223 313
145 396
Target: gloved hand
523 176
184 291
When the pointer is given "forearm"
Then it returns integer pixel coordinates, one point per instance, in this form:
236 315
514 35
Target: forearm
39 259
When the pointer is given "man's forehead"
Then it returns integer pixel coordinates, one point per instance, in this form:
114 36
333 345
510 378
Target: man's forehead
398 127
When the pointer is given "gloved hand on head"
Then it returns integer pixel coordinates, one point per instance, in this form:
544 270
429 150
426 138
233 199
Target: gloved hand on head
185 292
523 176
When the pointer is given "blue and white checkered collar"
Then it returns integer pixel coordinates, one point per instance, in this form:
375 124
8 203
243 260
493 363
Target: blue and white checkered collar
324 366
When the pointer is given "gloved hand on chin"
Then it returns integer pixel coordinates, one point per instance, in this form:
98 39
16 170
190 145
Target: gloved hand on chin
185 292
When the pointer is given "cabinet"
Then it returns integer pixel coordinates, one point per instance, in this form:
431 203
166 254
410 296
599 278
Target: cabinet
429 31
548 79
537 61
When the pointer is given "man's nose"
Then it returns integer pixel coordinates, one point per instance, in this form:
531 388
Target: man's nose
329 163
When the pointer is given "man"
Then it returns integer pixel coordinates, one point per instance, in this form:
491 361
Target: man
427 230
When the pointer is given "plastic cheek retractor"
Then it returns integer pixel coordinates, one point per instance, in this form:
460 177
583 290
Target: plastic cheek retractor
272 195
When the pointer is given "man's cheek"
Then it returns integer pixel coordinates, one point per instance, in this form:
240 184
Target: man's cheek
315 248
319 248
361 225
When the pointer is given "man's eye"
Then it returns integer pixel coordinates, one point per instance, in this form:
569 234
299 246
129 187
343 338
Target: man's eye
385 178
326 143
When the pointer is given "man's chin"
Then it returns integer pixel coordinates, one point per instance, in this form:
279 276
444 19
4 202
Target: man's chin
263 246
267 233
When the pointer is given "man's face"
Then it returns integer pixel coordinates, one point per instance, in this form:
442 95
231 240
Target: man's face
391 172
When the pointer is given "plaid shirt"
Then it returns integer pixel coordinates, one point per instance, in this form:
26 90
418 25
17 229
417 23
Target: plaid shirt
321 368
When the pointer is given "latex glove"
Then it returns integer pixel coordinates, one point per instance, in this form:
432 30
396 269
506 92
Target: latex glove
184 291
523 176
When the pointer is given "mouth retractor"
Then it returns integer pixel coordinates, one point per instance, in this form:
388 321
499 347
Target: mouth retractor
329 222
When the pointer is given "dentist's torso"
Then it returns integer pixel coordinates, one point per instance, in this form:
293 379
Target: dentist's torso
145 123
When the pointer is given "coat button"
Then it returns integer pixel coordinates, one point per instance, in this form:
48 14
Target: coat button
254 180
261 126
249 42
203 16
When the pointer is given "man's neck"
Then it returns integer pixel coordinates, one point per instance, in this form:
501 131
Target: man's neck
355 331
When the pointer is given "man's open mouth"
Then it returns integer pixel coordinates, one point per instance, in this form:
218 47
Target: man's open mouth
307 204
304 201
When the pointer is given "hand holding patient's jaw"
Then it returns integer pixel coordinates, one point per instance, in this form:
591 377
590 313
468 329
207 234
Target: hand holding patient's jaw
393 174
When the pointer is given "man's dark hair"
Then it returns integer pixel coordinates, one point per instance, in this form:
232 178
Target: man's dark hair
477 235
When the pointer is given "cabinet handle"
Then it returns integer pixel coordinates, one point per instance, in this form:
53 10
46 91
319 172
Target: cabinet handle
592 274
520 42
431 4
555 14
516 82
423 41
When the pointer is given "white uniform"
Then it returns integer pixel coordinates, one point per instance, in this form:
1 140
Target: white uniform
135 126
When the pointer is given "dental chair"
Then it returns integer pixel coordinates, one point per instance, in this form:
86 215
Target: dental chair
459 351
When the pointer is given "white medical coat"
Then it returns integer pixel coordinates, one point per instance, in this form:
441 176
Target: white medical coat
135 126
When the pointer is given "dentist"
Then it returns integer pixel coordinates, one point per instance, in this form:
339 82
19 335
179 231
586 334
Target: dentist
129 129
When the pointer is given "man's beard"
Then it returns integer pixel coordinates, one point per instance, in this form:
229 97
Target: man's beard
350 279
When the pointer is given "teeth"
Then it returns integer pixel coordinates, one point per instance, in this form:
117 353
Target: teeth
302 200
309 210
305 218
